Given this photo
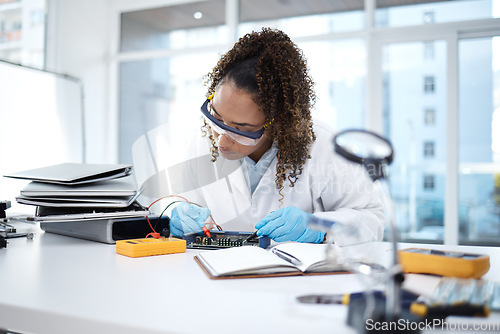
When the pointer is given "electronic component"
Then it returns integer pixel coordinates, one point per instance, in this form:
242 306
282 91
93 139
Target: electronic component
150 246
6 228
224 239
4 205
107 230
443 263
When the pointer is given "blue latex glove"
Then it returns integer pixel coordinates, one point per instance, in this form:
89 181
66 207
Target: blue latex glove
186 218
289 224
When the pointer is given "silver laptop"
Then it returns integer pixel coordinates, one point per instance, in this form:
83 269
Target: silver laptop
74 173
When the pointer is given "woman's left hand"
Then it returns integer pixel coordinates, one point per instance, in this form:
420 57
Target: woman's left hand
288 224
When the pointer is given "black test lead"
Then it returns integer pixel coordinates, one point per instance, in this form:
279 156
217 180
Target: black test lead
251 236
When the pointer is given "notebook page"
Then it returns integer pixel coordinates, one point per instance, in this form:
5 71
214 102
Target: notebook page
311 256
237 260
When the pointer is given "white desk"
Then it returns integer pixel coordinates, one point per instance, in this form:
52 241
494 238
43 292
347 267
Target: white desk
55 284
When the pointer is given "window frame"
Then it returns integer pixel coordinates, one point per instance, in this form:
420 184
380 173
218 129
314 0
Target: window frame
451 33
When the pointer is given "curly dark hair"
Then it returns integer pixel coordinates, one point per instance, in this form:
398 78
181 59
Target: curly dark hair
269 66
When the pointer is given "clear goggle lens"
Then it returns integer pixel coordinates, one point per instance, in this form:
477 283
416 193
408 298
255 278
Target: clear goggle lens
233 136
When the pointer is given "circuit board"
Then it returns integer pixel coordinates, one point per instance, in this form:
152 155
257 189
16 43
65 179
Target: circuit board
224 239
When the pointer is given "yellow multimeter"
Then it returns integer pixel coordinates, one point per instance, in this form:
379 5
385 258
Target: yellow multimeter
443 263
150 246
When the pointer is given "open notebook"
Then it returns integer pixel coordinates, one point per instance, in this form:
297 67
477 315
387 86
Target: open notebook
286 259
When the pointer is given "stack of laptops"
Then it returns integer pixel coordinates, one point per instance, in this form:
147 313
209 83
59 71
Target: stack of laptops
83 200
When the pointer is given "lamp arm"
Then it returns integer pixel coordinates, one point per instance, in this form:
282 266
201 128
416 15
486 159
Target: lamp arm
395 275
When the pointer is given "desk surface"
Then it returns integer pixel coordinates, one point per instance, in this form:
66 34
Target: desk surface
56 284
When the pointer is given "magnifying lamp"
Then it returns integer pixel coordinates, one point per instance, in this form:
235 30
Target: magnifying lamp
375 153
367 148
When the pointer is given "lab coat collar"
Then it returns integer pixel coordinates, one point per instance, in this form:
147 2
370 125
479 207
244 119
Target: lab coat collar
233 170
238 176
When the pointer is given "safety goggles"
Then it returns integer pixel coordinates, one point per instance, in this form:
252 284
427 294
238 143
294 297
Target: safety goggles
241 137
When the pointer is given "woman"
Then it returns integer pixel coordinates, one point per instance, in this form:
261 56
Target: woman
283 169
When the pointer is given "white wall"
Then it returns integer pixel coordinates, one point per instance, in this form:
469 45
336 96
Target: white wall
78 43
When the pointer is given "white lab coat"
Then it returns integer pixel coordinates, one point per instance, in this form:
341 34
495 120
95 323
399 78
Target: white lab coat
329 187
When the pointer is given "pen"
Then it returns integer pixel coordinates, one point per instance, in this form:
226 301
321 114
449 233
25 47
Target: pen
285 256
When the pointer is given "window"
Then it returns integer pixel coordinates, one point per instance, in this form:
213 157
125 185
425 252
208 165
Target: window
428 149
429 50
429 116
401 100
22 32
158 90
404 112
338 69
479 141
428 17
411 13
429 84
302 18
382 17
167 90
428 182
37 18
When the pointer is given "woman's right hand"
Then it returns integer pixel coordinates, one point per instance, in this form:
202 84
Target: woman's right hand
186 218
